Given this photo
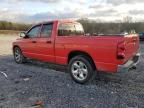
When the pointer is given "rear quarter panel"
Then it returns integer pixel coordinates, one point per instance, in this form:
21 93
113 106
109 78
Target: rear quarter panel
102 49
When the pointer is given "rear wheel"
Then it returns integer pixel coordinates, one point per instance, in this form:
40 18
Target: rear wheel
18 56
81 69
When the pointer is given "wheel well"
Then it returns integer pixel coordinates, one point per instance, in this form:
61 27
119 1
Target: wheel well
77 53
15 47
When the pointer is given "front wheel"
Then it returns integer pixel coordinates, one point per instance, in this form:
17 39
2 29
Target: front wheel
81 69
18 56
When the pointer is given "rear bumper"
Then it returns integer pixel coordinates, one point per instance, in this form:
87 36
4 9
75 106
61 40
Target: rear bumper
132 62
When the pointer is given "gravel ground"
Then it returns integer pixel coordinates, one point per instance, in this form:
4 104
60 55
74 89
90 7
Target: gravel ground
43 85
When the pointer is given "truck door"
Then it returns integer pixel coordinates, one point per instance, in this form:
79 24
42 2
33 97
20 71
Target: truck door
45 44
28 45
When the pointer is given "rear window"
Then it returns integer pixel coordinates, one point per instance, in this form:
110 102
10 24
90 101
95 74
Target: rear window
47 30
70 29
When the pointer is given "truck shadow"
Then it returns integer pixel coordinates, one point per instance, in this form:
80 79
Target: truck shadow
133 76
47 65
9 59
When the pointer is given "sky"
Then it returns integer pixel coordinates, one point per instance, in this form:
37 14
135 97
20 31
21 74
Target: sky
29 11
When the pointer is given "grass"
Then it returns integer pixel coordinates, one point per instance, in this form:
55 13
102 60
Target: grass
10 32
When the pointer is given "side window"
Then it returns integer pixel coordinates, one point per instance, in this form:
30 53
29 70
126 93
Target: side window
34 32
47 30
67 29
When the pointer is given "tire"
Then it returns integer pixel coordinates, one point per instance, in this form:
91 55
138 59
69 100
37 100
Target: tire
81 69
18 56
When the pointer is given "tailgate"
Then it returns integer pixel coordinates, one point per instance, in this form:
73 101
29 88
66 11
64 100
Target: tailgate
131 45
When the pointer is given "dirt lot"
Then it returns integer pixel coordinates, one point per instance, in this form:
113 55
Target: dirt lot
50 86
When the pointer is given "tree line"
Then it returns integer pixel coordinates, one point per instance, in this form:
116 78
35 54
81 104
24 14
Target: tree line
90 26
4 25
99 27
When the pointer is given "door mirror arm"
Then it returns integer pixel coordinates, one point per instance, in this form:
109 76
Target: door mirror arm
23 35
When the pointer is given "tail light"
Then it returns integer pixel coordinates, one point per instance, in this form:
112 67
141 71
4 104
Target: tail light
121 50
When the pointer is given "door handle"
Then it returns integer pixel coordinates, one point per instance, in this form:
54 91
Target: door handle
48 42
34 42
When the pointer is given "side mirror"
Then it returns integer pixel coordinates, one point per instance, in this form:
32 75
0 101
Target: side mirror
23 34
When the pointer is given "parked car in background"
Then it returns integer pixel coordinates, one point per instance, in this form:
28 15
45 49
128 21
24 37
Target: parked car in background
141 36
65 43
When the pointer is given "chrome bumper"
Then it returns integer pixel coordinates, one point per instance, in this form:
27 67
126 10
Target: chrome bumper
129 64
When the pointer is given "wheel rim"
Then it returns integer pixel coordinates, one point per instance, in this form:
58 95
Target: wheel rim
17 55
79 70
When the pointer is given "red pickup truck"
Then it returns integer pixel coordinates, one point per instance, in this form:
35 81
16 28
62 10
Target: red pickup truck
65 43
